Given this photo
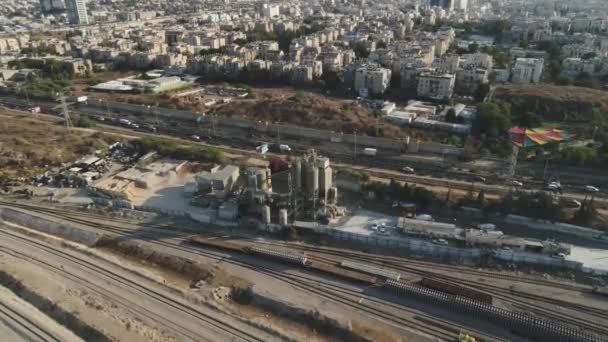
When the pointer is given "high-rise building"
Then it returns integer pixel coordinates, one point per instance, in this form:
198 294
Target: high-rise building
445 4
461 5
48 6
77 12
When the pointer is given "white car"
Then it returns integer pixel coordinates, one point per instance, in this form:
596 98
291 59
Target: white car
408 169
195 137
517 184
374 227
590 188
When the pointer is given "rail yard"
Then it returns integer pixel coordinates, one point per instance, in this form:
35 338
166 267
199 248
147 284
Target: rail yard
372 286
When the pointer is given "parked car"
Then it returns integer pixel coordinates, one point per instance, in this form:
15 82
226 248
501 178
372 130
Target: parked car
517 184
442 242
374 227
480 178
590 188
195 137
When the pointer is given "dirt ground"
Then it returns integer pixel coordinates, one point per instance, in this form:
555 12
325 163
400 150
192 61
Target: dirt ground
28 147
309 109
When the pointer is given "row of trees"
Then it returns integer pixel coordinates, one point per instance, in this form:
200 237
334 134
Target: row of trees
169 148
538 205
396 191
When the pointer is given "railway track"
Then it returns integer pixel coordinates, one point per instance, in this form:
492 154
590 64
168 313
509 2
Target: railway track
516 298
391 262
24 326
176 327
324 289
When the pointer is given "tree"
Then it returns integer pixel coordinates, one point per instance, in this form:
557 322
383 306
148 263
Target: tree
481 199
482 91
587 213
360 51
492 120
473 48
450 116
331 80
529 120
589 55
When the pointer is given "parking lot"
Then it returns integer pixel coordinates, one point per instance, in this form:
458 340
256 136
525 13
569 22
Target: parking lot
360 221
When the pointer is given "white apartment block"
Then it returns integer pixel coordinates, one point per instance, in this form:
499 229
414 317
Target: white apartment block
436 86
372 80
469 78
527 70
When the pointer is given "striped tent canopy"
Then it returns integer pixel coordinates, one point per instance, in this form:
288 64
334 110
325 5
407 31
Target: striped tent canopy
530 137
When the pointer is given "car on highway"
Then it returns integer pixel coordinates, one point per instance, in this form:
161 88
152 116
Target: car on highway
572 204
480 178
407 169
553 186
517 184
591 188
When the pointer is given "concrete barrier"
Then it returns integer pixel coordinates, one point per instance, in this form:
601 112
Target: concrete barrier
53 226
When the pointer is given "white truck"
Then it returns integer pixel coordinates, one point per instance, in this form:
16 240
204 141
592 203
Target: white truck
370 151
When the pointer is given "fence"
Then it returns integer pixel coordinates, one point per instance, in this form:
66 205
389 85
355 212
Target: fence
410 246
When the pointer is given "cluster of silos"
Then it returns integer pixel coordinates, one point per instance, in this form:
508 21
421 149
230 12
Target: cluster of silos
259 180
313 177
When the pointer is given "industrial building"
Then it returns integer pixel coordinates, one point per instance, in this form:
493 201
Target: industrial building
219 181
307 192
124 184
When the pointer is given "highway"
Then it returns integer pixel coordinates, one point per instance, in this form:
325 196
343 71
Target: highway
430 170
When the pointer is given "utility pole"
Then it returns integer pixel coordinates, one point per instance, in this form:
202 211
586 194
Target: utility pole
594 133
355 144
66 114
278 132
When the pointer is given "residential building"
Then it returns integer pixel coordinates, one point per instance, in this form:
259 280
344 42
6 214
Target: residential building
527 70
469 78
436 86
371 79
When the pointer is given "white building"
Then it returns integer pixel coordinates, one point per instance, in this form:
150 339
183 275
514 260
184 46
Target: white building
527 70
77 12
372 79
439 87
469 78
270 11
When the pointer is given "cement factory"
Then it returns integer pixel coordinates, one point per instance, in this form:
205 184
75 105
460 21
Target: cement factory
298 188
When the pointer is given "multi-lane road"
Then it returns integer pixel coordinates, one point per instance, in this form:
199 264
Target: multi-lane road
430 169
